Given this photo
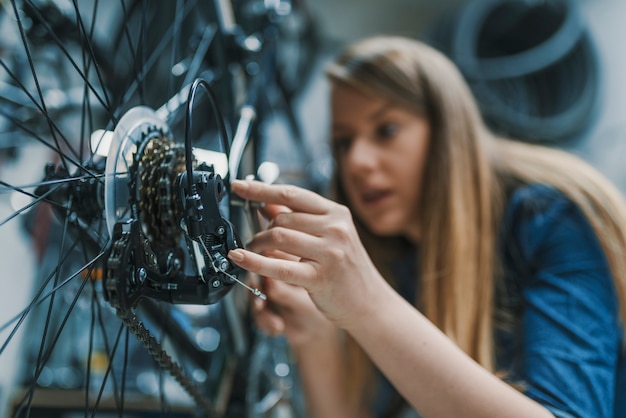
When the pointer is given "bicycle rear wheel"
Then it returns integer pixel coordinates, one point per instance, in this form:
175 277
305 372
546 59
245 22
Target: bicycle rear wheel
80 83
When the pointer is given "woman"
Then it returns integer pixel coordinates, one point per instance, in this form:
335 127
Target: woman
479 276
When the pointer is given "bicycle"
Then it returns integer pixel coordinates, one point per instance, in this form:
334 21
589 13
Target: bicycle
136 203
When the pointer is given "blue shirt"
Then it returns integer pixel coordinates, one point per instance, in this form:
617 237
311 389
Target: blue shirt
567 345
564 339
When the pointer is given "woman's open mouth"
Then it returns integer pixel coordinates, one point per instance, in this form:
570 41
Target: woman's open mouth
375 197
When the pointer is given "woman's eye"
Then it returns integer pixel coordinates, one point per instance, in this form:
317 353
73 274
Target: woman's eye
387 130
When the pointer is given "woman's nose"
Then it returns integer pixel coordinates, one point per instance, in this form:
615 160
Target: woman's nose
362 156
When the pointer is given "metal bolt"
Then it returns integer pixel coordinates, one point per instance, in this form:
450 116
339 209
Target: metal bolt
224 265
142 274
220 230
221 264
216 283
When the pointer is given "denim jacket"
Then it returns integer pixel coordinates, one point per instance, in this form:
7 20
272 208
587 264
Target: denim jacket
564 340
568 348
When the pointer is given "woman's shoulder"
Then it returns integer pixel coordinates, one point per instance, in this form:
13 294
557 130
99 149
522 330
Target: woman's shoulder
539 218
535 206
534 198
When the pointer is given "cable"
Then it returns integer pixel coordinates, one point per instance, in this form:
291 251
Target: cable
221 126
193 202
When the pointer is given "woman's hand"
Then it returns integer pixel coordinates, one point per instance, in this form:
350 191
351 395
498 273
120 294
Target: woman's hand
314 339
323 251
288 309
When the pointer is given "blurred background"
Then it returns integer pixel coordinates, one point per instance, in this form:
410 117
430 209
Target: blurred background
570 94
551 72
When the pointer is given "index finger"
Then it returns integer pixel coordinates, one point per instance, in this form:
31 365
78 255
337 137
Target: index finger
293 197
269 211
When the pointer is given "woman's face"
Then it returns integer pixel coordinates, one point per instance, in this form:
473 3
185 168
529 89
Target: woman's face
381 148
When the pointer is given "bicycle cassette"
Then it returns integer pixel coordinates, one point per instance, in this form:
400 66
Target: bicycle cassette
149 208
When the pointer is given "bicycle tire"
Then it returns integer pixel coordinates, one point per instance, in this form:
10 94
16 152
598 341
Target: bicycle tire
538 86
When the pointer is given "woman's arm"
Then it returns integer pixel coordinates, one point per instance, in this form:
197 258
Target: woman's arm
322 367
432 374
436 377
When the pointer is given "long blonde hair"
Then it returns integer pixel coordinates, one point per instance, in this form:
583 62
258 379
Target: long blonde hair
464 190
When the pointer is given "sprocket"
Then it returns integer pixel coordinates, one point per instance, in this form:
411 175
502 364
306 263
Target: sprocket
158 166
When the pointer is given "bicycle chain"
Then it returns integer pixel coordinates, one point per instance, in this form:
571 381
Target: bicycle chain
163 359
137 328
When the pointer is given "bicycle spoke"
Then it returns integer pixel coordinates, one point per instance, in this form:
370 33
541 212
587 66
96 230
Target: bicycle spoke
124 371
110 351
39 107
87 123
26 207
33 71
24 127
8 188
45 355
174 56
105 101
102 99
44 338
154 57
39 299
